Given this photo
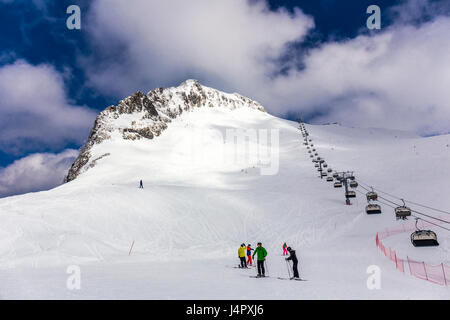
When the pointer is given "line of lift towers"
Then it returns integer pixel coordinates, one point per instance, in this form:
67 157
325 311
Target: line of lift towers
348 181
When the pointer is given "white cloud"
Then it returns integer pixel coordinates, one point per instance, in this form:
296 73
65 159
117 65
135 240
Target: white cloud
397 77
39 171
35 112
151 43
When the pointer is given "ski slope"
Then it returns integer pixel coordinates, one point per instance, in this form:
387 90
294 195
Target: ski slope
198 205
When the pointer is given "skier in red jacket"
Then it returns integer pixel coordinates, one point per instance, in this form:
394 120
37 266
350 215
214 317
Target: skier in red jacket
249 254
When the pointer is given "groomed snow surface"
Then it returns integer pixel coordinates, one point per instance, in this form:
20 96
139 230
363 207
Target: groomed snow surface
199 203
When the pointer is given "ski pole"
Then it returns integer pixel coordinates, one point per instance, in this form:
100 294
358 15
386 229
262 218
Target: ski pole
267 269
288 265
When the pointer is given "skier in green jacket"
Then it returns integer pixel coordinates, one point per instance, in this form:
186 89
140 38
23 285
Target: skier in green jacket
261 254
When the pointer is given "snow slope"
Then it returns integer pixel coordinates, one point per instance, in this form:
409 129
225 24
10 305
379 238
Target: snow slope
199 204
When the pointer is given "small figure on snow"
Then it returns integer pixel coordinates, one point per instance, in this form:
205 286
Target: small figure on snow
285 252
249 254
141 185
261 254
241 255
294 259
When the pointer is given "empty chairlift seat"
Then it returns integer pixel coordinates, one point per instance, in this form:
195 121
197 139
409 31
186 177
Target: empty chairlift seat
353 184
424 238
324 174
329 170
373 209
350 194
330 179
338 184
335 175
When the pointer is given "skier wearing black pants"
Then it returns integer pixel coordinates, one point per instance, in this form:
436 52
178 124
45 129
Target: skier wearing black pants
294 259
241 255
261 254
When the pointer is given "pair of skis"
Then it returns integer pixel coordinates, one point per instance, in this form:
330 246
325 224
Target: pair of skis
280 278
299 279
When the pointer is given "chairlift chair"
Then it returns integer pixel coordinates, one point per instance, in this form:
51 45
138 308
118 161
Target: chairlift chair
330 179
371 195
353 184
402 212
350 194
324 174
423 238
329 170
372 208
338 184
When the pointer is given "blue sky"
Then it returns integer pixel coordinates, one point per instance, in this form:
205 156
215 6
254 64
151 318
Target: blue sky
314 58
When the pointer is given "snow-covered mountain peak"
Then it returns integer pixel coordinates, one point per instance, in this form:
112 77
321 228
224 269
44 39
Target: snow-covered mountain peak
144 116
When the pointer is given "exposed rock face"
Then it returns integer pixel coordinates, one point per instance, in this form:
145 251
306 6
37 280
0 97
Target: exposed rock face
145 116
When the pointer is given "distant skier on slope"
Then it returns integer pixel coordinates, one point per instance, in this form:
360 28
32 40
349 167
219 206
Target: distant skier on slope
141 185
261 257
249 254
294 259
285 252
241 255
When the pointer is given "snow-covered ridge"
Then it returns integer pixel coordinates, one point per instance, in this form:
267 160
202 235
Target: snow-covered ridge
144 116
